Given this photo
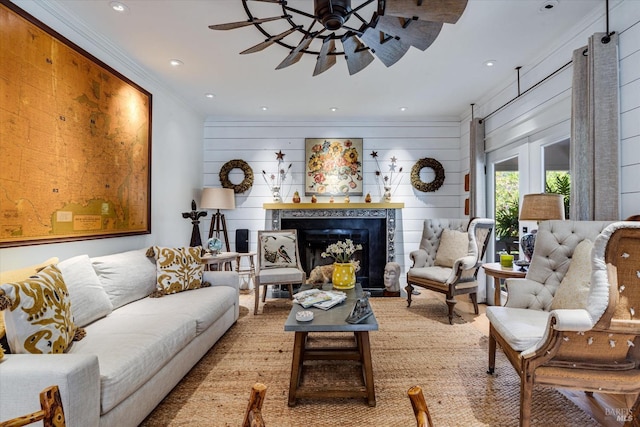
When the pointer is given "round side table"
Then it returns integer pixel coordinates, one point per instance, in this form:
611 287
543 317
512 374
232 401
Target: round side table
495 270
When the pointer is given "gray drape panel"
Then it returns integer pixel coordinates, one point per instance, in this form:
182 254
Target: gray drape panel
477 205
594 131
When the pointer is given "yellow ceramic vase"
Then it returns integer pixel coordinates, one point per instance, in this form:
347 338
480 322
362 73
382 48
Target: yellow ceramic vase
344 275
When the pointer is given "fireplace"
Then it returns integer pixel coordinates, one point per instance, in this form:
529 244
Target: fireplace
318 227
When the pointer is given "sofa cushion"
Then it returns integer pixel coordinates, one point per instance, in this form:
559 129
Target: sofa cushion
573 291
18 275
522 328
39 318
454 244
278 250
126 276
177 269
89 301
435 273
203 305
132 347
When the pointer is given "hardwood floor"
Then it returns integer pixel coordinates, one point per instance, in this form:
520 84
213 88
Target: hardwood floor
607 409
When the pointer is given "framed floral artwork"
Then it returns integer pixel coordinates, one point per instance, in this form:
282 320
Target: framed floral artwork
334 166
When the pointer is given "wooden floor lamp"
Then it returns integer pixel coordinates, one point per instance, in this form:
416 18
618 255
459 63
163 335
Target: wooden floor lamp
215 199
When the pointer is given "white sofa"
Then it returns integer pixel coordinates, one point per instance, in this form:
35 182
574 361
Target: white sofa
131 358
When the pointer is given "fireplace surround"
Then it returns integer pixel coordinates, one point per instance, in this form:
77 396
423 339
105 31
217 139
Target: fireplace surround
319 224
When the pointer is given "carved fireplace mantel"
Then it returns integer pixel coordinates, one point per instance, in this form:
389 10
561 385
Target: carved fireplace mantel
378 219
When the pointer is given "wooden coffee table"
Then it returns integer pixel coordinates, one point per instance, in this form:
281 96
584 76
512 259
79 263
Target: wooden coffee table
332 320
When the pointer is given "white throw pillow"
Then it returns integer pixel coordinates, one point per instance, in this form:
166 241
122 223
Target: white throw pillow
89 301
126 276
573 291
454 244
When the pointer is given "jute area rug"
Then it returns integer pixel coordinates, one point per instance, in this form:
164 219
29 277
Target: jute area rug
414 346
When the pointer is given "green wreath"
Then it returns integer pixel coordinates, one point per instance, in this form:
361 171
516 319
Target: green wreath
246 183
427 186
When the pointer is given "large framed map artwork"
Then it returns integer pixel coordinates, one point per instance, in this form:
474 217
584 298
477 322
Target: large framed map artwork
75 140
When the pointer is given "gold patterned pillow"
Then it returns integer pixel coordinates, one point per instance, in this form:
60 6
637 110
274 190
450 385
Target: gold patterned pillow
177 269
39 319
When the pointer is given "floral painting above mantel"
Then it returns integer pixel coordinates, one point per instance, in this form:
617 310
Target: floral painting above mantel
334 166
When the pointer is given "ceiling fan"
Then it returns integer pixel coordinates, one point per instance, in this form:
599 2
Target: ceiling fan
394 26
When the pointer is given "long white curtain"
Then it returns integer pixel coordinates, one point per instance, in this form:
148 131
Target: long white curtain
595 131
477 205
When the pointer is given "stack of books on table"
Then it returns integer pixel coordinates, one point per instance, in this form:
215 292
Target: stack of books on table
319 298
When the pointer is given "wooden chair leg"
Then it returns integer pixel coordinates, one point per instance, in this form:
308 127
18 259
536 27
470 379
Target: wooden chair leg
257 299
409 290
253 415
451 303
474 300
526 394
492 354
290 287
420 409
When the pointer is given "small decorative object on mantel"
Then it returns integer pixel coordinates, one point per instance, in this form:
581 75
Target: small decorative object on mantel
275 180
367 198
437 182
344 270
347 199
195 216
361 310
331 199
388 180
296 197
314 199
246 183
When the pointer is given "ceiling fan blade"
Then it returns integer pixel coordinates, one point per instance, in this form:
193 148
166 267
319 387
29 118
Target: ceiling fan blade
233 25
413 32
270 1
356 54
387 48
325 61
448 11
296 53
271 40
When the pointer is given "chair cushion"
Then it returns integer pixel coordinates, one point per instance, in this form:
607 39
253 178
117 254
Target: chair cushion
573 291
178 269
435 273
522 328
278 250
280 275
39 318
89 301
454 244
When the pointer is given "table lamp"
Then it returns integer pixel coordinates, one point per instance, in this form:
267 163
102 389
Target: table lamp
215 199
539 207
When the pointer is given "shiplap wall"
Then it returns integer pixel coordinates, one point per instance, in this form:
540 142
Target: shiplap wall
257 142
545 112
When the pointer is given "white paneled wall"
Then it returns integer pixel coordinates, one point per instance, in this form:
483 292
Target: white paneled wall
258 142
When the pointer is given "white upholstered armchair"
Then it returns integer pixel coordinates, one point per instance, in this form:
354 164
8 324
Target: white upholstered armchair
574 321
450 254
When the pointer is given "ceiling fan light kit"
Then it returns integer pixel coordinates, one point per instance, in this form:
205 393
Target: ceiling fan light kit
393 27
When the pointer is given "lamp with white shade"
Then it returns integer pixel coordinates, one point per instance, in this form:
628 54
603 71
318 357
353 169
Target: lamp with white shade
539 207
214 198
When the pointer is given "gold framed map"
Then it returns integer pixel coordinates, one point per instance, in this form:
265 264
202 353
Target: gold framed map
75 138
334 166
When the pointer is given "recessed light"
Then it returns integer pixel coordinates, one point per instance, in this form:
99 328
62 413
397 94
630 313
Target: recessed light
119 7
403 108
490 62
176 62
264 108
548 5
209 95
333 109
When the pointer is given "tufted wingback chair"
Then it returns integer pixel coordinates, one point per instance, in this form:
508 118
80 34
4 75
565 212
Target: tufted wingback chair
593 348
461 278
